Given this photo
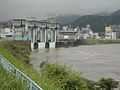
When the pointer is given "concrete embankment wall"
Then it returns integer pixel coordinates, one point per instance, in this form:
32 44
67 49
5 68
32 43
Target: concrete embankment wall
72 43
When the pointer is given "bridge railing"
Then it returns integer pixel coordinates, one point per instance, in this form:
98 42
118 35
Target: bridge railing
30 84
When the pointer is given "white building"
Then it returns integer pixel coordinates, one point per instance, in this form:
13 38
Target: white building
6 32
96 36
87 32
65 28
110 35
116 28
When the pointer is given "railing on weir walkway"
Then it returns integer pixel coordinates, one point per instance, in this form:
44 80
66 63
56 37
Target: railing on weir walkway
30 84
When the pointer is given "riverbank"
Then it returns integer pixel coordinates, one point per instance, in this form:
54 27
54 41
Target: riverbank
85 42
97 41
17 52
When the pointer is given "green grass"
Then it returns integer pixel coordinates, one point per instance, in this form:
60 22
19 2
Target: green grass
95 41
8 82
65 77
14 51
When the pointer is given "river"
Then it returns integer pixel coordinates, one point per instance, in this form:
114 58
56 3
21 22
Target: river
94 61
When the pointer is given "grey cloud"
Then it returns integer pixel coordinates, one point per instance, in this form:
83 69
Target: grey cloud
40 8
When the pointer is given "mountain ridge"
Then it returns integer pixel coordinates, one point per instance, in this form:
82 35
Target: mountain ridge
97 22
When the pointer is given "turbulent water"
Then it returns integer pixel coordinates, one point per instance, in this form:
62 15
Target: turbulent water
94 61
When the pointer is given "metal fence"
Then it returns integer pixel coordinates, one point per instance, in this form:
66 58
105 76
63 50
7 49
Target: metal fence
30 84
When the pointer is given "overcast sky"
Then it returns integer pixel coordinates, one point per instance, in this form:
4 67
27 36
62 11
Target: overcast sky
43 8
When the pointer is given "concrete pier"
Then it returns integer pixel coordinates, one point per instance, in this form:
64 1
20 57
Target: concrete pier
41 45
32 46
52 45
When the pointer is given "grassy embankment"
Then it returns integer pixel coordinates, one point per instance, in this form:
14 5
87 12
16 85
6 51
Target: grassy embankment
8 82
17 52
96 41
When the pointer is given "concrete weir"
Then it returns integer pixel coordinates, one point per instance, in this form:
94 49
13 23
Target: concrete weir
41 45
43 34
52 45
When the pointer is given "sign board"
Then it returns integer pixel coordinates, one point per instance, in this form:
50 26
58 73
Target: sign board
21 38
108 28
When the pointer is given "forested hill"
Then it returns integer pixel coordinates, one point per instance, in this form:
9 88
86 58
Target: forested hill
97 22
116 13
65 19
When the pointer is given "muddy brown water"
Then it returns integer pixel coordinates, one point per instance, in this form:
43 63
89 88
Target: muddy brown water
94 61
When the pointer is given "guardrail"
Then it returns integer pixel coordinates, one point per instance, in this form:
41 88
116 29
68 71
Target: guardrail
6 39
30 84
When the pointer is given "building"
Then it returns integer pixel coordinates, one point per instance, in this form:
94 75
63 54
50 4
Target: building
116 28
6 30
6 33
65 28
19 29
109 33
96 36
87 32
68 34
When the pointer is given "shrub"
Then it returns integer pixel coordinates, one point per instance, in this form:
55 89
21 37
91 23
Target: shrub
63 76
92 85
108 83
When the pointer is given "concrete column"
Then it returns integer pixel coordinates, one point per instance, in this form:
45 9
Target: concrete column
32 45
41 32
33 35
45 36
39 35
51 36
13 28
55 36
